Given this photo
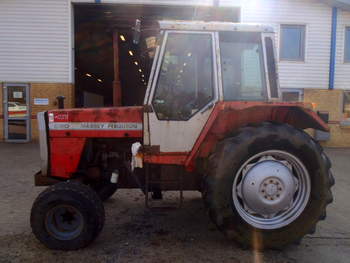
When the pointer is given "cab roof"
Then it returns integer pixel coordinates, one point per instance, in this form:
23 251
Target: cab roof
213 26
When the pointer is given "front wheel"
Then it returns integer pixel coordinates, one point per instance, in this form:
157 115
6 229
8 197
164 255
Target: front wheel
268 186
67 216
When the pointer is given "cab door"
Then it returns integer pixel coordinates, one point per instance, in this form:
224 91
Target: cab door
183 91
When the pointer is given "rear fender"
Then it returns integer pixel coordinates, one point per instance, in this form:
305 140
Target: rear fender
228 117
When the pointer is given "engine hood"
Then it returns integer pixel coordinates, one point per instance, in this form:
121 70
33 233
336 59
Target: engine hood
96 122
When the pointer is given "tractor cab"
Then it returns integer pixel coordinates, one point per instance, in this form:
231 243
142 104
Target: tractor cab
198 64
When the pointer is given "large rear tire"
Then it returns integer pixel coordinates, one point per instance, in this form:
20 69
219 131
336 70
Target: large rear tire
268 185
67 216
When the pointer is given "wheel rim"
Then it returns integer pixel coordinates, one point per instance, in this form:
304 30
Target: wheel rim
64 222
271 189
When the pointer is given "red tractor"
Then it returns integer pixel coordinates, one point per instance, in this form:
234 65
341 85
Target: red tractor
211 122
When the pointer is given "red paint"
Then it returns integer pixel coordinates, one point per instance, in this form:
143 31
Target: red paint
229 116
66 146
115 114
95 134
65 156
167 158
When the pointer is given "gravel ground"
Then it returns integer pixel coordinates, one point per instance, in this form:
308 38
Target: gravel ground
134 234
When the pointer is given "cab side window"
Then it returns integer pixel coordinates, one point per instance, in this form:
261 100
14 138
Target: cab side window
186 80
242 66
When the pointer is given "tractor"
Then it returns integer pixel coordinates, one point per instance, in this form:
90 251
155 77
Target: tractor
211 121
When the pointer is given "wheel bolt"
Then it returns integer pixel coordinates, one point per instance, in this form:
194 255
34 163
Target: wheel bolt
280 189
262 190
278 195
271 181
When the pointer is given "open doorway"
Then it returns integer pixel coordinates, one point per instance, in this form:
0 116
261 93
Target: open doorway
110 70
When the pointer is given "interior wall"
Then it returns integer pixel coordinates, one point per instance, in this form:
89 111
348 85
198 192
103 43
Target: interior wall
94 26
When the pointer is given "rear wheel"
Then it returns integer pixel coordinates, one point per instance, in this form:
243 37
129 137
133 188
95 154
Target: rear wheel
67 216
268 186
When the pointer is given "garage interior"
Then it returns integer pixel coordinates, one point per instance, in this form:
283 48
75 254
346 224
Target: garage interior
110 70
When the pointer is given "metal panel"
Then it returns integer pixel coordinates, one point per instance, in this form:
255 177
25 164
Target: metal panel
35 41
43 143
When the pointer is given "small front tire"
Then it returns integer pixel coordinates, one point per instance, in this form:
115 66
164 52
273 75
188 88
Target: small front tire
67 216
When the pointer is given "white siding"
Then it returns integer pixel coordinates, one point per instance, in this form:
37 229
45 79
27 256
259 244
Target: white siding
235 3
152 2
342 70
313 72
35 41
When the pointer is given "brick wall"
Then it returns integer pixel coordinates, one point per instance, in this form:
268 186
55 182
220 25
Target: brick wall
50 91
43 90
331 101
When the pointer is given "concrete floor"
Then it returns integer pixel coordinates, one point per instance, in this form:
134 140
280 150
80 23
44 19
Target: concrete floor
134 234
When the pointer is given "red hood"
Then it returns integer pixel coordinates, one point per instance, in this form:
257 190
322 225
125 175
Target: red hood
96 122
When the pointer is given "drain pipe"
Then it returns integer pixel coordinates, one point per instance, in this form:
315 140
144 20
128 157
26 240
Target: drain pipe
333 48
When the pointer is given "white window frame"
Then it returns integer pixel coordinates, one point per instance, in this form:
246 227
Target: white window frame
280 42
345 60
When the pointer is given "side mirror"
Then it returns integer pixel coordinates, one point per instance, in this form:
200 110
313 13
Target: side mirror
137 32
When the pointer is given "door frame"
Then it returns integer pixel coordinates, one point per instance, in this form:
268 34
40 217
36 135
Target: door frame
27 119
154 80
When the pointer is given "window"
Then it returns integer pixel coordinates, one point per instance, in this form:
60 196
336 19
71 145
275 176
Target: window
186 82
346 104
292 95
347 45
242 66
292 42
271 67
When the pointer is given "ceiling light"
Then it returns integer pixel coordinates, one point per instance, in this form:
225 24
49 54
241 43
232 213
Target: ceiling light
88 75
99 80
142 80
181 71
142 75
108 12
185 64
189 54
130 53
140 70
136 63
122 37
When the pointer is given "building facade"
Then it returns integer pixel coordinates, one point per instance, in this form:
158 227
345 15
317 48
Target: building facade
39 53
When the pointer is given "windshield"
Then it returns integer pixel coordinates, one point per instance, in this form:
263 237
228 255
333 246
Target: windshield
242 66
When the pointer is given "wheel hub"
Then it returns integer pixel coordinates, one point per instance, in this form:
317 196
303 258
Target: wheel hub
267 188
64 222
271 188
